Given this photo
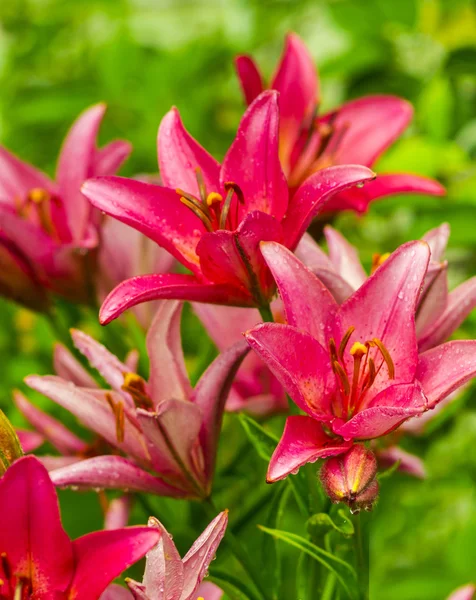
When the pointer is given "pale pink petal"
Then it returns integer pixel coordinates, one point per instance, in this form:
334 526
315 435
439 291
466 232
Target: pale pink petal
437 239
345 258
312 195
225 324
250 78
118 512
209 591
68 367
180 155
17 178
57 462
108 159
114 551
29 440
253 163
433 301
467 592
303 440
409 463
116 592
200 555
300 364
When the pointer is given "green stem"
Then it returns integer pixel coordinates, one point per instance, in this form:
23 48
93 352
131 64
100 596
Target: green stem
361 542
240 553
266 314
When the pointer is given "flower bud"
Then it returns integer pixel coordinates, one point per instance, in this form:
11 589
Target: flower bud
350 478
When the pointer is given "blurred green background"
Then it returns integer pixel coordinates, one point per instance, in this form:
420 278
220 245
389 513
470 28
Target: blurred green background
142 56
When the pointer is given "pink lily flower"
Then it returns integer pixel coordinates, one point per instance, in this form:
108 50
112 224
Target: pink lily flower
467 592
163 433
212 217
38 560
353 369
175 578
48 228
357 132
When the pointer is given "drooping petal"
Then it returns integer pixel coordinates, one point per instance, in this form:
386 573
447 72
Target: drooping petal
168 376
445 368
384 413
308 304
114 551
298 87
201 554
408 463
31 535
210 395
153 210
112 472
437 239
461 301
252 162
250 77
170 286
345 258
303 440
312 195
118 512
69 368
180 155
108 159
300 364
64 440
18 178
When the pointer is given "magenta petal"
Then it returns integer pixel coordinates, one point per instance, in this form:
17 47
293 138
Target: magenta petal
153 210
300 364
168 375
67 367
167 286
253 163
298 87
461 302
445 368
250 78
17 178
210 395
65 441
114 551
344 258
312 195
180 155
200 555
31 534
385 412
109 158
303 441
308 304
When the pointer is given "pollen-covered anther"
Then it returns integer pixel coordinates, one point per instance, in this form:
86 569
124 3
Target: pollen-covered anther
378 260
214 198
136 386
38 195
118 411
358 349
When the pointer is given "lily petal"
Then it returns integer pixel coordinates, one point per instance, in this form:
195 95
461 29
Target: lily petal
29 440
433 302
115 550
345 258
252 162
300 364
17 178
312 195
303 441
118 512
109 158
116 592
180 155
250 77
467 592
67 367
445 368
437 239
409 463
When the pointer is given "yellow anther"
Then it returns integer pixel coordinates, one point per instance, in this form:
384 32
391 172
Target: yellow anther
214 198
377 260
137 388
133 380
38 195
358 349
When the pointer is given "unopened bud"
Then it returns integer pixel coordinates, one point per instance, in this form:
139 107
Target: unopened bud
350 478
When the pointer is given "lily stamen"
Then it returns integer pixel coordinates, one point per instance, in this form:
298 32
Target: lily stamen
345 341
201 185
198 211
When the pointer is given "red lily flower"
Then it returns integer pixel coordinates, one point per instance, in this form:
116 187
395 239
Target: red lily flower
212 217
357 132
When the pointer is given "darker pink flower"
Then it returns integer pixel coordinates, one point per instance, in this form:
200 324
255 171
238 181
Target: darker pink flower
212 217
38 560
355 368
48 228
357 132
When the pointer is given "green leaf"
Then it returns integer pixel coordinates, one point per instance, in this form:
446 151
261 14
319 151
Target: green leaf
234 587
321 523
318 554
263 441
10 448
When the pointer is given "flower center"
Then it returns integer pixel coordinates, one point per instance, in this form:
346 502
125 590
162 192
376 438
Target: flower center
38 206
21 589
211 208
368 359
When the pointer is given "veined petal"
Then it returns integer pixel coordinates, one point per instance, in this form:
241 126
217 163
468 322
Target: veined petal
64 440
250 78
252 162
368 127
445 368
345 258
300 364
384 413
437 239
67 367
307 302
31 535
114 550
17 178
168 376
303 441
114 473
311 197
180 155
461 302
108 159
169 286
153 210
201 554
297 83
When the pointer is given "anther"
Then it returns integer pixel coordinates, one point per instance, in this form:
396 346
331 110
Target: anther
340 372
118 411
201 184
198 211
230 185
5 565
386 356
333 350
38 195
345 341
136 387
377 260
226 208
